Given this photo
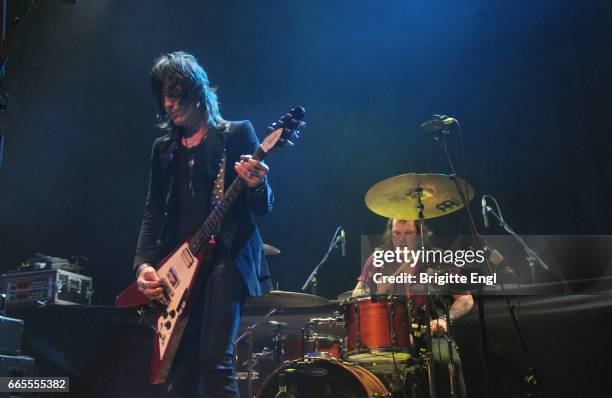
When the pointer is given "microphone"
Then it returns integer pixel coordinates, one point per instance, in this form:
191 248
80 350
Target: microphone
498 260
438 123
485 212
343 242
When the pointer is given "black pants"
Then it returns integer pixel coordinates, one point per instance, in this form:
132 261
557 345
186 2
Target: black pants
203 366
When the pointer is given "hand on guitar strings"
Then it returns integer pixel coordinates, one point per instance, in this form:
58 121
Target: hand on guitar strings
251 170
149 283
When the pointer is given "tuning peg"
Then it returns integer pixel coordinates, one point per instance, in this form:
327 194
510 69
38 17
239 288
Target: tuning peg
291 133
298 111
281 143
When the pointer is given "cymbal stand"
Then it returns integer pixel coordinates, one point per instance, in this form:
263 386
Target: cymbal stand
248 334
452 381
431 374
451 362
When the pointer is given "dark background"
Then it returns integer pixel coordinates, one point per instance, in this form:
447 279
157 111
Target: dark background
530 83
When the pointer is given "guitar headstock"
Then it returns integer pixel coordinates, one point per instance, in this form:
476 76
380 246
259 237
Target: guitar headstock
281 133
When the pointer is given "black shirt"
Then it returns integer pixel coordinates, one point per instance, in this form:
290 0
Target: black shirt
195 178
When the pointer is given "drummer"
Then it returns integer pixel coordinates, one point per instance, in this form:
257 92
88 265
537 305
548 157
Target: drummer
404 233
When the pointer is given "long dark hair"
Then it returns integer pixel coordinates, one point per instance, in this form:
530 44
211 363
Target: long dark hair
179 75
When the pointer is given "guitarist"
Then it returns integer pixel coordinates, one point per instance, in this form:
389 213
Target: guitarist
185 164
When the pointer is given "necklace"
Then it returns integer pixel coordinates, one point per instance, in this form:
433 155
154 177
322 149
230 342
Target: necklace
189 142
194 139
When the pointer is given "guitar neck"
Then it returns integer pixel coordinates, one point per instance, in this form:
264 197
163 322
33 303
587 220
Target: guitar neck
212 223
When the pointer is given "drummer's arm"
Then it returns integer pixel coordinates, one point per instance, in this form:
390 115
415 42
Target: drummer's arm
462 304
359 290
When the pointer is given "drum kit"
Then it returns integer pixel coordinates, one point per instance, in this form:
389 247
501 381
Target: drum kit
368 346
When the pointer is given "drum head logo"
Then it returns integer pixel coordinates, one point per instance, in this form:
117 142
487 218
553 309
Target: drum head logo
317 372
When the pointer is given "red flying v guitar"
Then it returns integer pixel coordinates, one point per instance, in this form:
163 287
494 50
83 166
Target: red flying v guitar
181 268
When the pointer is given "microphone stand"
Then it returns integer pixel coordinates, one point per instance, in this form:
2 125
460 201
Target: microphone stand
440 138
478 241
312 279
531 256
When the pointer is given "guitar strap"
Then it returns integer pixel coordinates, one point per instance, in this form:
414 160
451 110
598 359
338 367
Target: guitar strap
217 192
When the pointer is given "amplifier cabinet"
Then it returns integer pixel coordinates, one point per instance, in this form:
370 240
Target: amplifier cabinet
46 287
11 332
17 366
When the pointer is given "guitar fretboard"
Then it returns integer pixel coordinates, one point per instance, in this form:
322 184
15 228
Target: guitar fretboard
212 223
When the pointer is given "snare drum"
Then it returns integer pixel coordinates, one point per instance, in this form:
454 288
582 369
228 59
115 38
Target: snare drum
377 329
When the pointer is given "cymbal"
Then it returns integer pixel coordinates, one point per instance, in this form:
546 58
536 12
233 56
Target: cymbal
397 197
270 250
283 299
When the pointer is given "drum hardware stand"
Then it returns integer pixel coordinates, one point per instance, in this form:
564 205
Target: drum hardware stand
278 346
306 333
452 381
312 279
278 340
413 387
431 375
248 333
393 336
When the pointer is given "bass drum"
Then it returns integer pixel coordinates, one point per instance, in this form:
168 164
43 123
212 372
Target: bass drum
324 378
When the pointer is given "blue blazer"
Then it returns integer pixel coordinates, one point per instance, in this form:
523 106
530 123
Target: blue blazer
239 233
